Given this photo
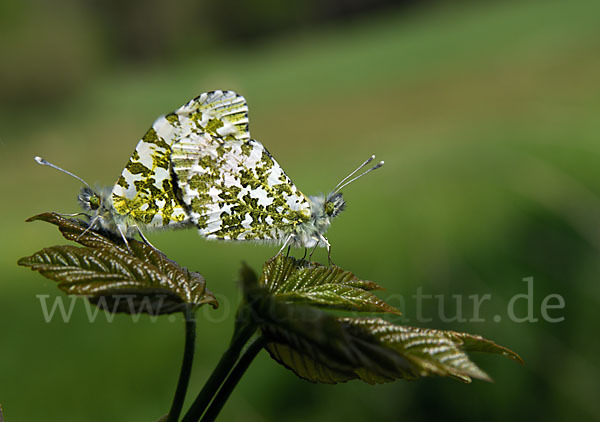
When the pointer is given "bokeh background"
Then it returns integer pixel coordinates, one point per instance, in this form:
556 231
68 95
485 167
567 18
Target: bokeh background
485 112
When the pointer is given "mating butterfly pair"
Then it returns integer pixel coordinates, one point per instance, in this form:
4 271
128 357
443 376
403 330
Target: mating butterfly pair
199 167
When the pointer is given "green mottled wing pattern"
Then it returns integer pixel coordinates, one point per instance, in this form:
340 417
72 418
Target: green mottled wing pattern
223 114
235 190
145 190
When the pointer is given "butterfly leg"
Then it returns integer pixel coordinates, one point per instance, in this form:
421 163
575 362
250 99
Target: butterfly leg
304 256
146 241
287 240
75 214
90 225
124 238
324 239
312 252
287 254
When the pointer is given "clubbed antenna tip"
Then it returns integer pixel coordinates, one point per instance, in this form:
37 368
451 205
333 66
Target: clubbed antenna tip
343 183
43 162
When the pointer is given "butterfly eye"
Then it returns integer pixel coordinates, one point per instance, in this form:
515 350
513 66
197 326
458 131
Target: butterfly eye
329 208
94 202
334 204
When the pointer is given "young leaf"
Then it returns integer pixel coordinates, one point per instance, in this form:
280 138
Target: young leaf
323 348
307 340
300 282
117 278
307 367
377 351
429 352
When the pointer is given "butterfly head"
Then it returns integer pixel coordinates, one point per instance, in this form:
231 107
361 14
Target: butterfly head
89 200
97 205
334 204
99 208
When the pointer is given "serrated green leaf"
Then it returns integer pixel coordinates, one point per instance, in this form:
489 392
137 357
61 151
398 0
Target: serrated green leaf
430 352
75 230
305 366
331 287
322 348
134 279
327 351
476 343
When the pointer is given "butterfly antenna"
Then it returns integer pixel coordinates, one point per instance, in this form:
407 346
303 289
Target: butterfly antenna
341 185
43 162
371 158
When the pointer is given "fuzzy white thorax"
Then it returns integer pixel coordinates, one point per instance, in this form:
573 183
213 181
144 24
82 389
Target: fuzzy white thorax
322 210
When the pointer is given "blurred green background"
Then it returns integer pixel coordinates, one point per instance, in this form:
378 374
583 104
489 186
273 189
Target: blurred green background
486 116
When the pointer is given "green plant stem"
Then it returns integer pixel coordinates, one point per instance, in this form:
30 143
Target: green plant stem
219 374
186 365
232 380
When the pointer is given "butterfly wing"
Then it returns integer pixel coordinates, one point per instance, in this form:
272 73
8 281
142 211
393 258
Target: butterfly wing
223 114
145 190
235 190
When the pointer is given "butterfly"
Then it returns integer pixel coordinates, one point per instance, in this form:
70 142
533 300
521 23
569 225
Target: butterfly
198 166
